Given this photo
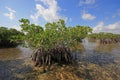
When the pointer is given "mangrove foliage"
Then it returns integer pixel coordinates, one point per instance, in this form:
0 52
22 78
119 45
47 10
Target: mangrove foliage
52 42
105 38
9 37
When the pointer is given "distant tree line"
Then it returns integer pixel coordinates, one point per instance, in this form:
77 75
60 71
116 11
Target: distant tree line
9 37
105 38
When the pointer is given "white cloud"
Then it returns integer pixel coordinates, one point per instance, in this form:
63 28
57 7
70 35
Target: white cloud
88 16
83 2
10 14
49 12
113 28
16 27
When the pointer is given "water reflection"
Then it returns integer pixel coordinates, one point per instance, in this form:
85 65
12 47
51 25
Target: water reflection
101 61
12 64
14 53
108 48
88 45
100 48
96 62
95 52
9 53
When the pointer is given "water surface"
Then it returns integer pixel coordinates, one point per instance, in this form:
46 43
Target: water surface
95 62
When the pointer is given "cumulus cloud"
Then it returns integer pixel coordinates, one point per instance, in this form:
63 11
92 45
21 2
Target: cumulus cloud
88 16
10 14
49 12
111 28
86 2
16 27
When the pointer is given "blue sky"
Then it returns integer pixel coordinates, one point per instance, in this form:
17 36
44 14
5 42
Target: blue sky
101 15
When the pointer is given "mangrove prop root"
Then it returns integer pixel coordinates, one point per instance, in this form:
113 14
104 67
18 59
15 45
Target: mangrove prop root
60 55
109 40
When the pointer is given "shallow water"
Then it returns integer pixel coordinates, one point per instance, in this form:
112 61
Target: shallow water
96 62
102 61
12 64
14 53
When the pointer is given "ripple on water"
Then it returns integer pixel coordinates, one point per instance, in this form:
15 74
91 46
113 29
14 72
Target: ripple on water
94 64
